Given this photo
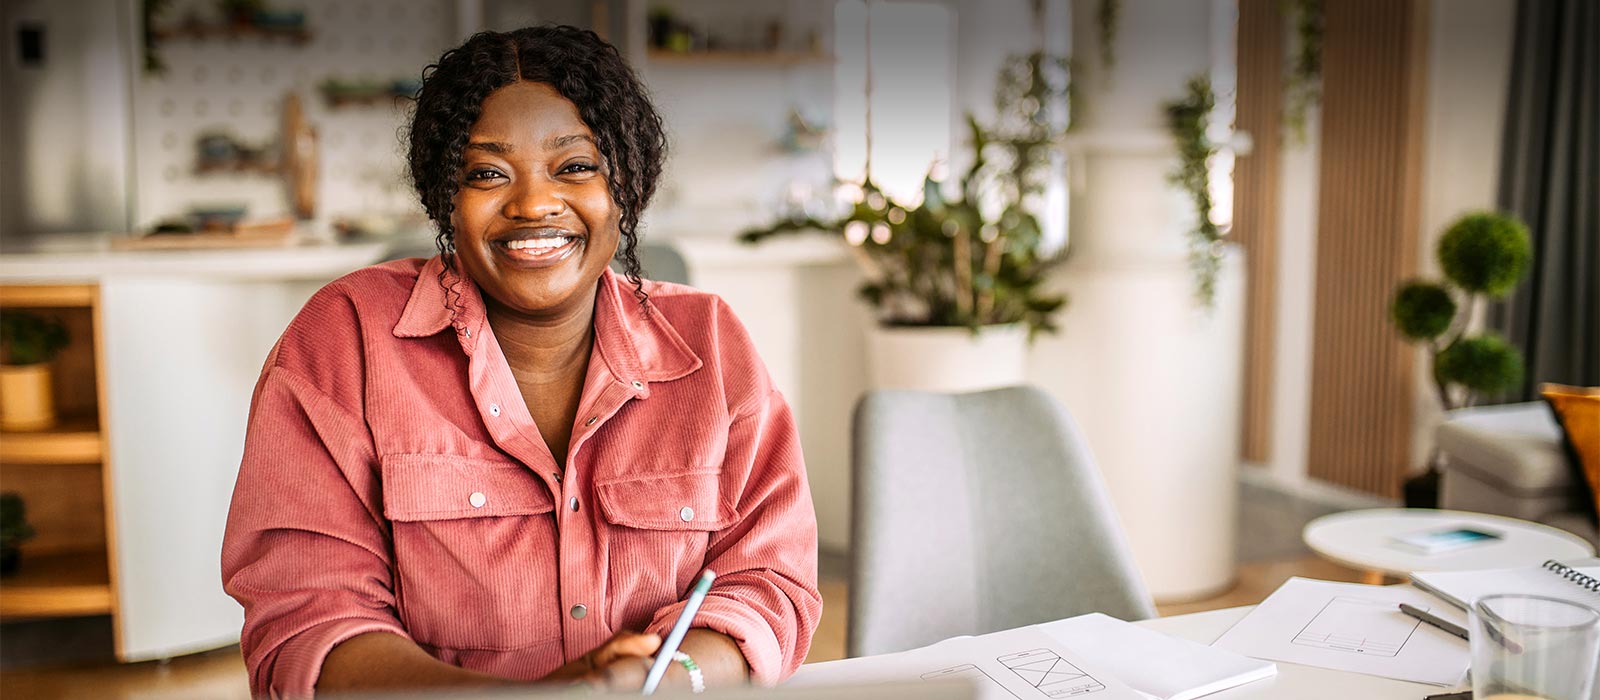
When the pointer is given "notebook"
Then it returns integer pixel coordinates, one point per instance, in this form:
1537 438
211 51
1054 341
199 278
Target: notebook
1153 663
1578 582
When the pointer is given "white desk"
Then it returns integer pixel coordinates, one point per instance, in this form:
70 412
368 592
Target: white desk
1293 680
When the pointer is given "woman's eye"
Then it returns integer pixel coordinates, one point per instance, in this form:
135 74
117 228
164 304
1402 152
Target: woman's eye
580 168
479 175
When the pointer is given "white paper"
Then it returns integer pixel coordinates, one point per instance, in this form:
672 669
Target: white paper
1352 627
1019 664
1153 663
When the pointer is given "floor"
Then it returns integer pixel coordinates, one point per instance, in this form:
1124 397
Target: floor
220 675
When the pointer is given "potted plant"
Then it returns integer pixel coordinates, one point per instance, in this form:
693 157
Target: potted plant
28 343
14 530
1484 256
958 282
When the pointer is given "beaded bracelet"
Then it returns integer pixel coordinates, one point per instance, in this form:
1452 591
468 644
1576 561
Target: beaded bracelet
697 680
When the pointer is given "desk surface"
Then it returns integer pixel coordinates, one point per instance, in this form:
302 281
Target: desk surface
1360 539
1293 680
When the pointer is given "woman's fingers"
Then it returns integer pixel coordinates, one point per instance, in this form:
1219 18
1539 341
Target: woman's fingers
625 644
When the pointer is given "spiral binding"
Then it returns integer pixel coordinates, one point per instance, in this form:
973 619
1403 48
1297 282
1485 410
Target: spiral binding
1588 582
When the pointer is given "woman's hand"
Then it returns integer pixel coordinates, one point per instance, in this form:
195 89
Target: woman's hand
619 664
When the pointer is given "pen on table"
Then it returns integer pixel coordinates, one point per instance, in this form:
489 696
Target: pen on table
669 647
1434 620
1463 695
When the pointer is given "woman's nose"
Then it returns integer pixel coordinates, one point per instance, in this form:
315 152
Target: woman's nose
533 199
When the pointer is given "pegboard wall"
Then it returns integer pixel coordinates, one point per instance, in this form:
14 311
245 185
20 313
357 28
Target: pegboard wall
237 85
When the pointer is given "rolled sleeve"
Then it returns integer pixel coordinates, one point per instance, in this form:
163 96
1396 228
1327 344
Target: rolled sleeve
305 552
765 596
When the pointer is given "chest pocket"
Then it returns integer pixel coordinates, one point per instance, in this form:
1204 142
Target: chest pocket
474 551
661 527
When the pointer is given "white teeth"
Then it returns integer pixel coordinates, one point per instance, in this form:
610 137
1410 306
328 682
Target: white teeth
538 243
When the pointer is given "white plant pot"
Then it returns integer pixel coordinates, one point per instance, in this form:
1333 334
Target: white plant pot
947 359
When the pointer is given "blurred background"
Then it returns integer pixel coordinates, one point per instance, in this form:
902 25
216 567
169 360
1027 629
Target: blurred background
1192 222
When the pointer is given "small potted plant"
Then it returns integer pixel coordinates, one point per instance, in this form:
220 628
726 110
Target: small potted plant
28 342
958 278
1484 256
14 530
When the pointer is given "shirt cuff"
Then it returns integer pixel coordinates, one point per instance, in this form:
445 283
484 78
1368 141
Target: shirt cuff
299 661
751 631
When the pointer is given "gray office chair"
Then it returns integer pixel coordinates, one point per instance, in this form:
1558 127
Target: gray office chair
661 262
974 513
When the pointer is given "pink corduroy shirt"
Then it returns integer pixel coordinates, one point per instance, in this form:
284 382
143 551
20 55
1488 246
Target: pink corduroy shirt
393 480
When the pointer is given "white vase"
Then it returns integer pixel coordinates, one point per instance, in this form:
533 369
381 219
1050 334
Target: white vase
948 359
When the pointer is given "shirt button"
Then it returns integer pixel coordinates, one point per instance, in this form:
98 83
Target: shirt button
686 514
477 499
494 410
591 421
580 611
573 504
468 332
557 476
638 385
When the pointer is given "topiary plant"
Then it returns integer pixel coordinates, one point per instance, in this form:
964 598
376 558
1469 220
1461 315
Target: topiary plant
1483 255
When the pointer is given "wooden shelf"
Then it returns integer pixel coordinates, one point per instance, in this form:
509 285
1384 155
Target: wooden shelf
66 584
748 56
74 440
47 296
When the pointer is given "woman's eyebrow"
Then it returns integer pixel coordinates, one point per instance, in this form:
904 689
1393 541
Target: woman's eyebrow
498 148
556 142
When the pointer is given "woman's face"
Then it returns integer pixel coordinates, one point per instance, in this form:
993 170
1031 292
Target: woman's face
535 225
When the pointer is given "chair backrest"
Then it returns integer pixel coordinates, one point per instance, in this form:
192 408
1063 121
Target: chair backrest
661 262
974 513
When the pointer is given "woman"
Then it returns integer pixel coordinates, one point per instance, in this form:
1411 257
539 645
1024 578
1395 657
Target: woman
507 463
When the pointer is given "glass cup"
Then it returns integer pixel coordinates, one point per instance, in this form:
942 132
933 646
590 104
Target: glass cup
1528 647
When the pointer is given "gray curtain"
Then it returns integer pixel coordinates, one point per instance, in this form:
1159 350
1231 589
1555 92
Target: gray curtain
1550 177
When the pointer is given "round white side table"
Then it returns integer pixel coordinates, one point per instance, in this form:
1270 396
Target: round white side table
1363 539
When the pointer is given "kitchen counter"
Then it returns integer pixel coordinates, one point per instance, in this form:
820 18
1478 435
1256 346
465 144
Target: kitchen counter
79 258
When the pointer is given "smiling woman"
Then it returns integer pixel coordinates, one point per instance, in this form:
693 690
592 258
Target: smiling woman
506 464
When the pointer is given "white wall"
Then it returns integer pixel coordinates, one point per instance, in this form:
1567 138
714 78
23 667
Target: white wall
1469 67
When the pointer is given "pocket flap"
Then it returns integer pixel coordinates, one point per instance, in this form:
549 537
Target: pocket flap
680 502
442 487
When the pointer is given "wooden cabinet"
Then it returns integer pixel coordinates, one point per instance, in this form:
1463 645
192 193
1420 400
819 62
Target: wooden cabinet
130 492
62 473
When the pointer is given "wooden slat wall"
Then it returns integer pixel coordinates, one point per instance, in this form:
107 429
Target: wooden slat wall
1374 81
1255 209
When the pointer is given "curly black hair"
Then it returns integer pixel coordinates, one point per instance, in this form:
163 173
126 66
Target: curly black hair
584 69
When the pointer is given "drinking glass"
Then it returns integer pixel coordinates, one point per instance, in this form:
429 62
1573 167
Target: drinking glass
1528 647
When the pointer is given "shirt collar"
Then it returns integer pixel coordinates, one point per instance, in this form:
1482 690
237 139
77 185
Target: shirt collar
636 341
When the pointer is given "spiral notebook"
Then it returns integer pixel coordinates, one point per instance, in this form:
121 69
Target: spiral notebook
1577 581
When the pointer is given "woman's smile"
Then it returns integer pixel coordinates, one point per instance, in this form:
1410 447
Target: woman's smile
539 248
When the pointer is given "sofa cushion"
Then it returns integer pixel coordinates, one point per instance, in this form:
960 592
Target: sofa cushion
1515 447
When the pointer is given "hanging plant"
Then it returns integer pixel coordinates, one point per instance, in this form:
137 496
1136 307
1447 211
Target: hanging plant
1187 119
1303 83
153 10
1106 16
